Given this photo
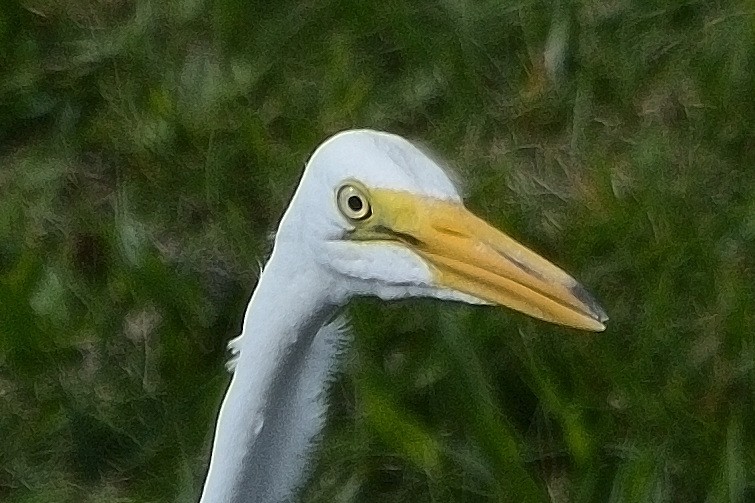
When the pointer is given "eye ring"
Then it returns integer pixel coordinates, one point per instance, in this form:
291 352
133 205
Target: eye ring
353 203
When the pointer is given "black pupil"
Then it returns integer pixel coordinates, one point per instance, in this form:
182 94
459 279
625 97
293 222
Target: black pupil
355 203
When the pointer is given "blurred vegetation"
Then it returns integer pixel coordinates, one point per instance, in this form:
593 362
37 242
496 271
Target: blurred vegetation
147 150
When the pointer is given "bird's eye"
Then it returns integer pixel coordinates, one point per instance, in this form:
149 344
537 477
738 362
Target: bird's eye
353 203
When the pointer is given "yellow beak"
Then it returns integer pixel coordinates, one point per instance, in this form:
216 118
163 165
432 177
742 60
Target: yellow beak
470 256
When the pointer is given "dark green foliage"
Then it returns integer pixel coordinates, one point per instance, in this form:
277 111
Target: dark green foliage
147 150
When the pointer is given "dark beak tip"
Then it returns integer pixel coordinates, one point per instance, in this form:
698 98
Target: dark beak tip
588 300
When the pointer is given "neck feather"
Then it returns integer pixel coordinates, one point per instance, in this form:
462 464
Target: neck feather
275 404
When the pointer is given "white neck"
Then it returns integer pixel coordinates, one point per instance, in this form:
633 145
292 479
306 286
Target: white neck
274 405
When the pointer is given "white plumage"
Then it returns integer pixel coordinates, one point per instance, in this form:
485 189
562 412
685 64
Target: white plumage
373 215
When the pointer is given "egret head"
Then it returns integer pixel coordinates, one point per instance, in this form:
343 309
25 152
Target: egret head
380 217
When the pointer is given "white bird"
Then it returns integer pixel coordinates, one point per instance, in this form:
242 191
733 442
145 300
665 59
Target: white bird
373 215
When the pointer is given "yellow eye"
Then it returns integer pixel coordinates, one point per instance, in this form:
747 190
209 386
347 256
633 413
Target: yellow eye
353 202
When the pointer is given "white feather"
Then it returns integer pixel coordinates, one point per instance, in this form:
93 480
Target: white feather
275 405
287 354
279 463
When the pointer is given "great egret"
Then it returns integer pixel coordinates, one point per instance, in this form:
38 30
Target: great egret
373 215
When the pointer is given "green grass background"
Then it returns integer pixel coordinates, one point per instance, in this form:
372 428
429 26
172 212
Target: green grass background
147 150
